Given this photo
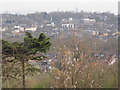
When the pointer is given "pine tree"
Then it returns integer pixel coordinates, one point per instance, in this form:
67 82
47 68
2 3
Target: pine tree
26 51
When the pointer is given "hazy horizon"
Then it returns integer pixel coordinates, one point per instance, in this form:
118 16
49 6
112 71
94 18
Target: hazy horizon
31 7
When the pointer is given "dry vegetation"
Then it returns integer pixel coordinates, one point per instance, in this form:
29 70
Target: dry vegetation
76 67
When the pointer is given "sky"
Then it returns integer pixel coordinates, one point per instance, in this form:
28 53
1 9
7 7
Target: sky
30 6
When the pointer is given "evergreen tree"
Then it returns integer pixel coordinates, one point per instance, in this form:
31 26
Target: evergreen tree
26 51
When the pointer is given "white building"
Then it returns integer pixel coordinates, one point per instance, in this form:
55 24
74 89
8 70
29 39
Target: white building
33 28
18 28
89 21
50 24
2 29
95 33
68 25
70 19
22 29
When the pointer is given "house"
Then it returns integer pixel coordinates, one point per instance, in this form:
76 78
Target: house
89 21
16 27
2 29
50 24
19 28
118 33
106 34
33 28
67 25
70 19
95 33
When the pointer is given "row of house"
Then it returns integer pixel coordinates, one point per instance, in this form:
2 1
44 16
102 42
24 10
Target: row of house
72 23
105 34
19 28
69 23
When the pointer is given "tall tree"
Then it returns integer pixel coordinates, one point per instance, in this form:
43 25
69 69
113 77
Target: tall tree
27 50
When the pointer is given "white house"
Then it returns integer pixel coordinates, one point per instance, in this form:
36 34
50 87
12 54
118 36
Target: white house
68 25
89 21
33 28
70 19
18 28
2 29
50 24
95 33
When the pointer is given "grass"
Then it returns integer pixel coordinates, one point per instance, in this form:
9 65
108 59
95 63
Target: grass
39 81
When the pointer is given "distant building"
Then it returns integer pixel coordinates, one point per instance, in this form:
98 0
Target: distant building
9 21
89 21
117 33
2 29
22 29
70 19
67 25
95 33
33 28
50 24
106 34
41 26
19 28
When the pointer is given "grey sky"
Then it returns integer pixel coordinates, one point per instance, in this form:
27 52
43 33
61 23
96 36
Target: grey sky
28 7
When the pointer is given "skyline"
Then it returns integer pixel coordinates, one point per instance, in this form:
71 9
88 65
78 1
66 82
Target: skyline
31 7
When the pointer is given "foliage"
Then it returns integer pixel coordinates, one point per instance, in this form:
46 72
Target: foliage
79 67
16 56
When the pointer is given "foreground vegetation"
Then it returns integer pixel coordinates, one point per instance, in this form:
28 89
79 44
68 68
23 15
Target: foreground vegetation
76 68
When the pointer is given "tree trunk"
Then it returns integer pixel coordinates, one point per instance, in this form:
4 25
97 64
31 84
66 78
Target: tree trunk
23 73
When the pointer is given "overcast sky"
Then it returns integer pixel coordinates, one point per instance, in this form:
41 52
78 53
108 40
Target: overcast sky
30 6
